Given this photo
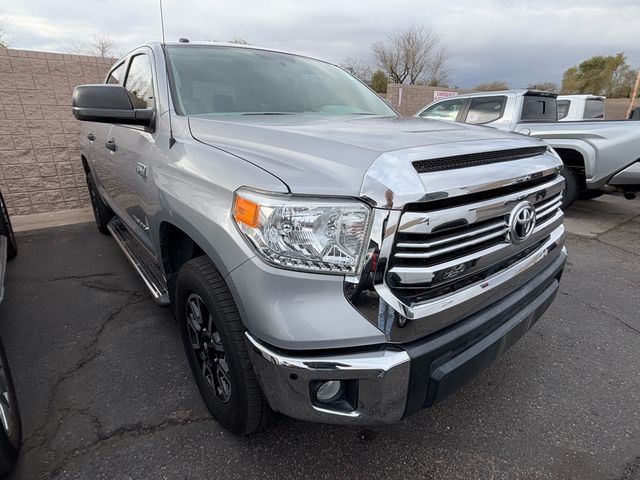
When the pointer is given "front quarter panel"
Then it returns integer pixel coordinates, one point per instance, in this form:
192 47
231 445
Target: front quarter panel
195 184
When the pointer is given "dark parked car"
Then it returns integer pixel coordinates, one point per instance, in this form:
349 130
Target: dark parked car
10 427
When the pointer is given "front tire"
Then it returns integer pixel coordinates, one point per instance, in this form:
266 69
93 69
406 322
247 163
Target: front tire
101 211
570 188
215 344
7 230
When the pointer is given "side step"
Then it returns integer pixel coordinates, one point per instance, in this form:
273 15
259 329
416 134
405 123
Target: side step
142 261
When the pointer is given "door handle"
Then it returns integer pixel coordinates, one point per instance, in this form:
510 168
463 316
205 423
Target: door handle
111 145
91 137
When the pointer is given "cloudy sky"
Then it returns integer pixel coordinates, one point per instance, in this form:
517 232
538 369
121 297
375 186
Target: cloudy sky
516 41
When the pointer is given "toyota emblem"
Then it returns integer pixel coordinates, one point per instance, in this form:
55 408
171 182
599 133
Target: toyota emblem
522 221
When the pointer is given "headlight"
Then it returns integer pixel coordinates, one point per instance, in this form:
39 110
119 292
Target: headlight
302 233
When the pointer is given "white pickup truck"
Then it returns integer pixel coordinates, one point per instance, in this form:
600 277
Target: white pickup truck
596 153
573 108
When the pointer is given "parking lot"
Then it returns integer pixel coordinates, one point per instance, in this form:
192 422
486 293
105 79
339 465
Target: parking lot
105 391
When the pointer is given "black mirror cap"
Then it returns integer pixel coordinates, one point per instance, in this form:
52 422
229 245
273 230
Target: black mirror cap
106 103
101 96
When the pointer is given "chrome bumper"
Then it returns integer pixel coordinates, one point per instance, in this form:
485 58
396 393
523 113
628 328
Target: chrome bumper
382 382
394 381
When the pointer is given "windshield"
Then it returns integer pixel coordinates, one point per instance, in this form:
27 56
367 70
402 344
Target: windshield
228 80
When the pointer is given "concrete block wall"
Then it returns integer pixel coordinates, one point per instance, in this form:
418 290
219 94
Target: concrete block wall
40 167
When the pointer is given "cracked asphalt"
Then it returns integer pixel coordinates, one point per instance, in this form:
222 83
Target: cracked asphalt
105 391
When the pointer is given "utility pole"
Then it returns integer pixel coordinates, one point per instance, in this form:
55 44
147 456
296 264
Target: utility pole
634 95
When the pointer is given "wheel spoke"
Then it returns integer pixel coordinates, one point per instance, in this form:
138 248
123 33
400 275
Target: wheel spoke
224 365
224 382
217 343
196 312
208 375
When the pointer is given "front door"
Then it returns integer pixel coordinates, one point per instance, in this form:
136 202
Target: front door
132 146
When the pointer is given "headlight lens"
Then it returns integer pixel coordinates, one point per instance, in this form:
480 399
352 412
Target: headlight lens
301 233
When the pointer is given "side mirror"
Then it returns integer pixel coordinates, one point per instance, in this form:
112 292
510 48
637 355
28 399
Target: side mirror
106 103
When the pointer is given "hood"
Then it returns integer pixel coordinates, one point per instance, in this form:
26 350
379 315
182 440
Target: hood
326 155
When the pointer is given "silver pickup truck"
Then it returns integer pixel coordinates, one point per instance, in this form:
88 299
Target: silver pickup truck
596 153
324 257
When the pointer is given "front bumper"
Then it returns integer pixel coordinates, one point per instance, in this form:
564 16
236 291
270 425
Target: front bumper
393 381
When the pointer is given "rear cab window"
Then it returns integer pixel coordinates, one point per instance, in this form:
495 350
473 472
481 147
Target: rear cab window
563 108
539 108
594 108
485 109
446 110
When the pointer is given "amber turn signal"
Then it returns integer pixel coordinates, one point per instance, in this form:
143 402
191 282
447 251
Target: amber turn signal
245 211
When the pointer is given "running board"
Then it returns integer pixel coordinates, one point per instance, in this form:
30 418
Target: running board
142 261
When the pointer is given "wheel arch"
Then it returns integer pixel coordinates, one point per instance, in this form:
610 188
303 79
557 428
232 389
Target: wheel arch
575 161
176 247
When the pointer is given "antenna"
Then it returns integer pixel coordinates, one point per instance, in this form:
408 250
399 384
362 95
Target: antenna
172 140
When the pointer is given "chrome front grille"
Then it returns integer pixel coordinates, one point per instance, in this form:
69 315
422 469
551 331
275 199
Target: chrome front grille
439 251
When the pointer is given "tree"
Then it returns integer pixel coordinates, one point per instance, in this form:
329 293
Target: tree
544 86
439 69
608 75
99 45
493 86
239 41
413 55
357 67
379 81
5 29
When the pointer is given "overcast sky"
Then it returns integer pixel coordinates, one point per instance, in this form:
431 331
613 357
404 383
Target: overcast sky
516 41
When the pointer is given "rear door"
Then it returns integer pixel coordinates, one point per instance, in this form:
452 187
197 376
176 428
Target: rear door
132 145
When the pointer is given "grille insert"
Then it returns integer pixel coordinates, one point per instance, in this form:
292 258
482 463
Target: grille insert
476 159
437 252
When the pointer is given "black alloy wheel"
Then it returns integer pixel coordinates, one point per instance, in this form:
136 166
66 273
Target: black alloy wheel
208 348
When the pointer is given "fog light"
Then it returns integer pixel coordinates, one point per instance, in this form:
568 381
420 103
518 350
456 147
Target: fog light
329 391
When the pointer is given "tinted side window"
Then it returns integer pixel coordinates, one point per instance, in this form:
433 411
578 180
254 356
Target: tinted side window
115 77
537 108
563 108
485 109
447 110
594 109
139 82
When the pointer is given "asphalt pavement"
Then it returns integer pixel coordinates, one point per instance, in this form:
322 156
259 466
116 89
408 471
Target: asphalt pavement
106 393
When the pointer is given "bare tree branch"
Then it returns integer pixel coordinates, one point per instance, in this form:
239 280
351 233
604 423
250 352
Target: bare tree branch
414 54
357 67
239 41
99 45
5 30
493 86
